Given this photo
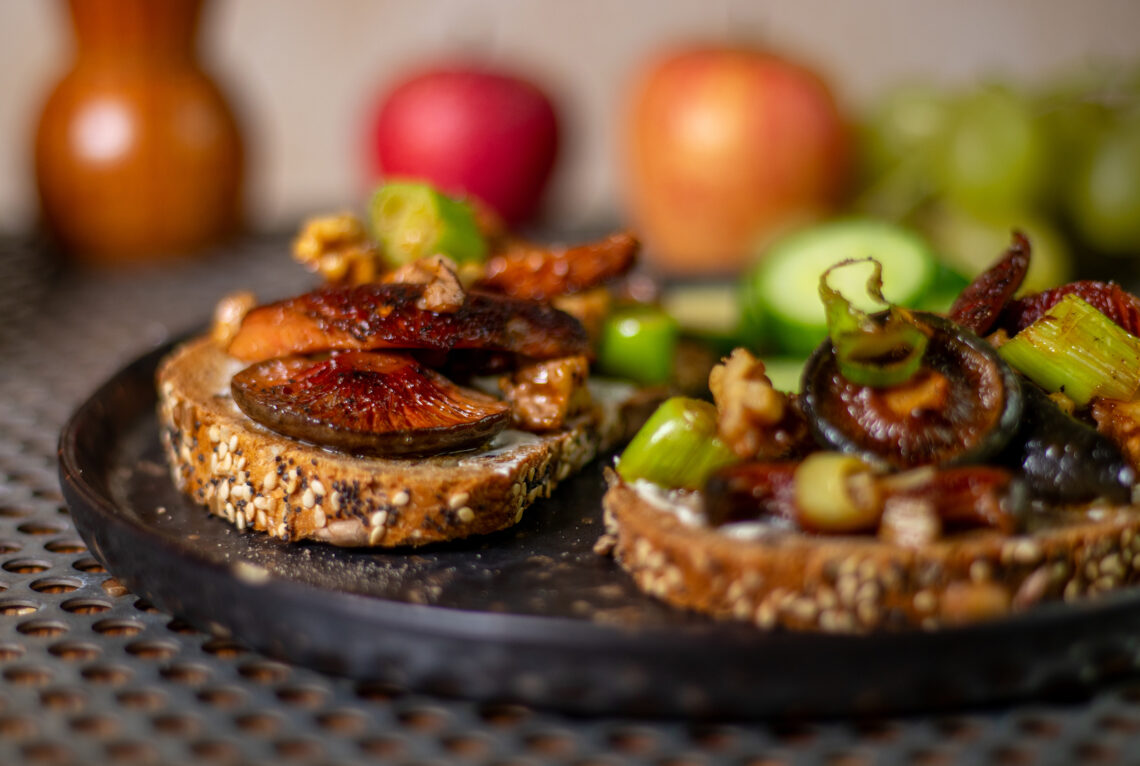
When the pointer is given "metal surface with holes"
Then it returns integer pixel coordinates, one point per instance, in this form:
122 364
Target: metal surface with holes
89 673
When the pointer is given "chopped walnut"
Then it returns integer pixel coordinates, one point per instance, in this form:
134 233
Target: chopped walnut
1120 422
754 419
228 314
545 395
338 248
443 293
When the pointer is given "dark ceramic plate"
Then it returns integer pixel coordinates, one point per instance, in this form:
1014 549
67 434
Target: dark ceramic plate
530 614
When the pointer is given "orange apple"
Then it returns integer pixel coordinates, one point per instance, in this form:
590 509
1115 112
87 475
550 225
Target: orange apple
725 149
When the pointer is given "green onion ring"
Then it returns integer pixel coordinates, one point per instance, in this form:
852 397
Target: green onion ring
869 350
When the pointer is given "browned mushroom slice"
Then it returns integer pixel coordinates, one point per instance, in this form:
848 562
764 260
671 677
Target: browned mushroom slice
386 316
524 270
981 302
962 406
367 403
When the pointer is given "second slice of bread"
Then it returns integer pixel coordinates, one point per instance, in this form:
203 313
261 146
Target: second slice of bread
851 583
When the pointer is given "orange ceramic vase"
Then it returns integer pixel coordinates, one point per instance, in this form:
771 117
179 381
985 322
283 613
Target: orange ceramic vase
138 156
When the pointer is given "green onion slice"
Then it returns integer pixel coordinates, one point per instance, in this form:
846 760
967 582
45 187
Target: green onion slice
414 220
638 343
871 351
677 447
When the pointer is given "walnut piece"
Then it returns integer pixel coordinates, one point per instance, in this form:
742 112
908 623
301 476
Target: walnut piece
443 293
338 248
228 314
1120 422
751 415
545 395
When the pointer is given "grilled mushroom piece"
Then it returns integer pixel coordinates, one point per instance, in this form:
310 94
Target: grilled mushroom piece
390 316
961 407
368 403
1063 460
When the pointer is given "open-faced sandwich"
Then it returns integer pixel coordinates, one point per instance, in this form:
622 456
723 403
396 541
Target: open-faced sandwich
922 475
431 389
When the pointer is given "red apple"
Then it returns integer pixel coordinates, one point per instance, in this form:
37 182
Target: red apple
469 130
725 149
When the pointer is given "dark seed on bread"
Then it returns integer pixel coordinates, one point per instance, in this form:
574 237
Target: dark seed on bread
257 479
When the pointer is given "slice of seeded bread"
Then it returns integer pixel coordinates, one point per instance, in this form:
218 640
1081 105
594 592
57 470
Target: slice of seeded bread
860 583
256 478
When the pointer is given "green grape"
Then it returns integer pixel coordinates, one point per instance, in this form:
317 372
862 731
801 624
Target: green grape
1104 195
994 154
907 121
897 147
970 244
1074 126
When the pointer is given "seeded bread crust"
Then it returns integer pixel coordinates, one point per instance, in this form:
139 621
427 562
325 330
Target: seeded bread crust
860 584
257 479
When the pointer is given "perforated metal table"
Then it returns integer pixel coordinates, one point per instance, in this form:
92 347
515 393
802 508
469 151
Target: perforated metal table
90 673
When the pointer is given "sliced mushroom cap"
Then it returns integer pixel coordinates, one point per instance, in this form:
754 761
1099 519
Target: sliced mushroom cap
367 403
387 316
962 406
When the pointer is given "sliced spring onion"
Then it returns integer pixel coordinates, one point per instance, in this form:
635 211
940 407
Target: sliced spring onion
869 351
1078 351
677 447
638 343
836 493
414 220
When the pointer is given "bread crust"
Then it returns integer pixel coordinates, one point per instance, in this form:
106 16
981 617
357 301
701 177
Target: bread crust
257 479
861 584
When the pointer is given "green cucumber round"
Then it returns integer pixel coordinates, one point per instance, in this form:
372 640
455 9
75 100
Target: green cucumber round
784 287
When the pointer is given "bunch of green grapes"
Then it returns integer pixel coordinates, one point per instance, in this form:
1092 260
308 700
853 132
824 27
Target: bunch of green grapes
966 167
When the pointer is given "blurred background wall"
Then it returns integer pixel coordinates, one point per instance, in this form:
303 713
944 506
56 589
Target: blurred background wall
305 74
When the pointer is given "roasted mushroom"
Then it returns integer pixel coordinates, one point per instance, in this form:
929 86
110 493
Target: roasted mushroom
962 406
390 316
367 403
1063 460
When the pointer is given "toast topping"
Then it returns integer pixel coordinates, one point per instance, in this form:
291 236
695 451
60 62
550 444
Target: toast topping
442 293
228 316
387 316
754 419
545 395
337 247
962 405
367 402
524 270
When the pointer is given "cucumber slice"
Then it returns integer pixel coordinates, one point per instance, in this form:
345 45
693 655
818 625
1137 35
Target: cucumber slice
785 285
948 283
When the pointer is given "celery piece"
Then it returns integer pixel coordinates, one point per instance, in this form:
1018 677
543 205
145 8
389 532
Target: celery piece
1076 350
677 447
835 492
414 220
638 343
